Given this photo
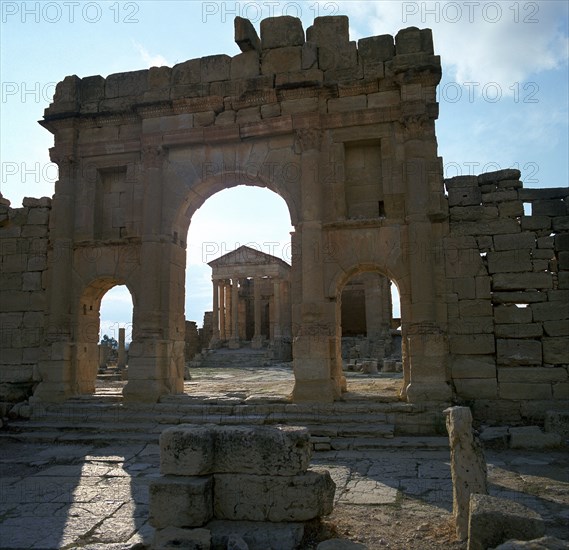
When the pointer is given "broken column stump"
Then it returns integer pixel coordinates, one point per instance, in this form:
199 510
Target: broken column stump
468 466
494 520
250 481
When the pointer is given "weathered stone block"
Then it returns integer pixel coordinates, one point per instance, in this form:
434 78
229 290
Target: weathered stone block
535 223
511 261
376 48
512 314
465 287
473 213
215 67
494 520
499 175
413 40
188 72
519 330
516 241
269 498
475 308
257 535
281 60
263 450
552 207
340 57
388 98
473 344
512 209
246 36
329 31
181 501
556 328
558 422
555 350
521 281
532 374
524 390
475 366
560 223
133 83
532 437
175 537
464 196
344 104
468 466
196 450
518 352
280 32
529 297
476 388
245 65
550 311
187 450
461 181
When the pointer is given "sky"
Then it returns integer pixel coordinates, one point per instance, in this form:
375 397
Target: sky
503 97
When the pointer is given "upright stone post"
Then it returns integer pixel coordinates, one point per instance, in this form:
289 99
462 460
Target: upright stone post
257 336
468 466
215 316
222 311
234 342
121 358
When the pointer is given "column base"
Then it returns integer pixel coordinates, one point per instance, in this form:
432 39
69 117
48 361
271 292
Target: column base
233 344
51 392
420 392
313 391
215 343
144 391
257 342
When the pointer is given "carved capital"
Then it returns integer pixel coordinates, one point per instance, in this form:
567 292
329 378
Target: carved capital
307 139
153 156
414 126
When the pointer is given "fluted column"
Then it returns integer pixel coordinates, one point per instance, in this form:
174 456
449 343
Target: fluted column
222 311
234 342
215 315
257 337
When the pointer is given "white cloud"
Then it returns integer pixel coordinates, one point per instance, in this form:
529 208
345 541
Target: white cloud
150 60
478 41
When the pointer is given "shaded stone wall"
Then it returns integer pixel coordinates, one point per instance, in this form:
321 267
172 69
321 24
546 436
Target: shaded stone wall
508 295
23 260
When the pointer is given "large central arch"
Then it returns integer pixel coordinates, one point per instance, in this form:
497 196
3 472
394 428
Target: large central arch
347 140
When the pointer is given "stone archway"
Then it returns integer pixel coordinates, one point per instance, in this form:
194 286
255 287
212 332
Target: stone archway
347 140
370 269
85 362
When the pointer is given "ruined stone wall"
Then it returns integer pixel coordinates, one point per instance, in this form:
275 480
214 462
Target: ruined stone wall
23 261
508 295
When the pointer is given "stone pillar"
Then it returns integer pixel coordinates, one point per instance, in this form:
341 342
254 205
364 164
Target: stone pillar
222 311
468 466
316 375
121 358
257 337
277 329
156 354
234 342
215 316
103 355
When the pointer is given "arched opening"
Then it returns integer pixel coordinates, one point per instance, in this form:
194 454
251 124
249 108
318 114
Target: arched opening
103 335
368 327
238 288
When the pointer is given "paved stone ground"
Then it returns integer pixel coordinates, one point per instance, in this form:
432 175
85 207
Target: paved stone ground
81 496
72 496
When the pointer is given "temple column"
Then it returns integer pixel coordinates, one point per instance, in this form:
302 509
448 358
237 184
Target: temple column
257 337
277 332
234 342
121 359
222 311
215 315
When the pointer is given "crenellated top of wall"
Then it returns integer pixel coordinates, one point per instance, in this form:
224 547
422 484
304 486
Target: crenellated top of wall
324 61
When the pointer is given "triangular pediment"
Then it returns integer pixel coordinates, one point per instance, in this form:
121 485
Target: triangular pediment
245 255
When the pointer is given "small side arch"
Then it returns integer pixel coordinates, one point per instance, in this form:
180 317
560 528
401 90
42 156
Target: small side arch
86 325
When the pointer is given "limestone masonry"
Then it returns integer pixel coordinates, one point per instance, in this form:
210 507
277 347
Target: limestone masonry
344 132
